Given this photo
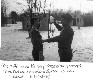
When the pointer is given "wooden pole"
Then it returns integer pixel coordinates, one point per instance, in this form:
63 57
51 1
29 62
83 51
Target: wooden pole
30 18
48 24
31 15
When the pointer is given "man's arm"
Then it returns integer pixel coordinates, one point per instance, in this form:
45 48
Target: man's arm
61 37
54 39
58 26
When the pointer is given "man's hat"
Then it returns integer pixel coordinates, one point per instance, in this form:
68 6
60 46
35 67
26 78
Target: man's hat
67 16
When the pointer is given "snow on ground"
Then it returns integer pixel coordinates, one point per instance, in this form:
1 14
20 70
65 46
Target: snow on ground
82 45
15 46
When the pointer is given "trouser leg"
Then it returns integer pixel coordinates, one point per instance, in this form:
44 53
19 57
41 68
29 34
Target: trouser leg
41 57
65 55
35 55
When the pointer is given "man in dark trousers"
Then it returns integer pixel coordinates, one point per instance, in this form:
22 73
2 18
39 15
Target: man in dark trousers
36 40
64 39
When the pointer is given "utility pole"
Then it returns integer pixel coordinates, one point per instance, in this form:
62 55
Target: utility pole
30 14
80 15
49 21
48 24
30 9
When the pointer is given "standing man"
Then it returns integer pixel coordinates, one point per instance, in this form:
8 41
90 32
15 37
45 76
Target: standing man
36 40
64 39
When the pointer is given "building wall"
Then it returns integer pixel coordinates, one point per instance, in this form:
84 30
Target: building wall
43 23
25 22
10 21
77 20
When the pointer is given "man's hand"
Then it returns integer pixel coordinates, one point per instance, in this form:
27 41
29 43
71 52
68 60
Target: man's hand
45 41
42 41
54 20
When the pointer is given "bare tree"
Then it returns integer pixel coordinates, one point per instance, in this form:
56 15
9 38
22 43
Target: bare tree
36 6
4 7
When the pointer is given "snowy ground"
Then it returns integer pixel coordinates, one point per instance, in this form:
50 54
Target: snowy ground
15 46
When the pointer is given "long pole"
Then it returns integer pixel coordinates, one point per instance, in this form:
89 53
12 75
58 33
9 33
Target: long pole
31 15
80 14
30 8
80 5
48 24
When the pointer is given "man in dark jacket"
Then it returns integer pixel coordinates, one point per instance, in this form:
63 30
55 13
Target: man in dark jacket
36 40
64 39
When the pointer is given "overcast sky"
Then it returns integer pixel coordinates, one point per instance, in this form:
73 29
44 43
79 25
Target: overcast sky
83 5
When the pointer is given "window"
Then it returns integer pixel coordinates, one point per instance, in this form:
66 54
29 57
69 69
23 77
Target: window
77 19
80 20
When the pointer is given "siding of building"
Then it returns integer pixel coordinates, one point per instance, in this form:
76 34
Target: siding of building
77 20
43 22
10 21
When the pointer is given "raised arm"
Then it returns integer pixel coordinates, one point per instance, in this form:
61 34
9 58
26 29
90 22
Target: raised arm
58 26
63 36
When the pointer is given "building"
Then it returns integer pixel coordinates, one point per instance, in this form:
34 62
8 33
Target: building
44 23
25 22
77 19
10 21
44 18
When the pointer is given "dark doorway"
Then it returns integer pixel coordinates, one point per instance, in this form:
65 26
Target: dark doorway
12 21
74 21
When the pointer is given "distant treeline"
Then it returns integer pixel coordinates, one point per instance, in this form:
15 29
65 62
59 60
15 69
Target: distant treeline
88 19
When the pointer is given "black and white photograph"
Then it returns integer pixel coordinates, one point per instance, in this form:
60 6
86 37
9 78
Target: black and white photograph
47 30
